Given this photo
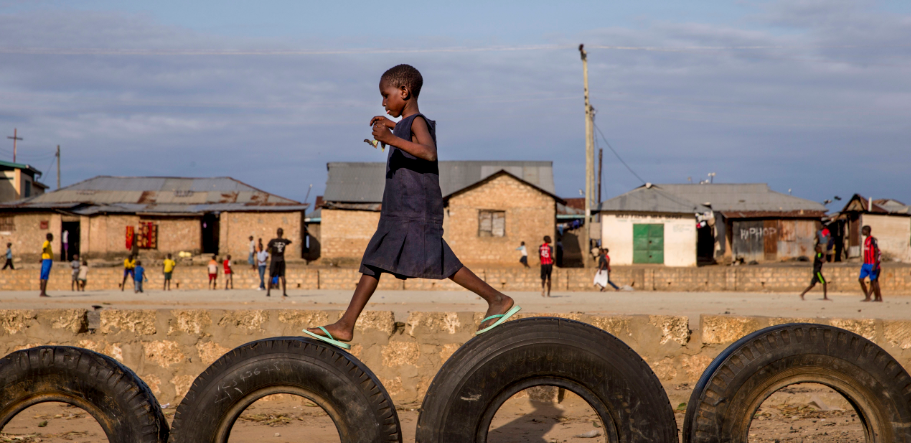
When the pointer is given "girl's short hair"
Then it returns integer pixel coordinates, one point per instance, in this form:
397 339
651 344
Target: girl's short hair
404 75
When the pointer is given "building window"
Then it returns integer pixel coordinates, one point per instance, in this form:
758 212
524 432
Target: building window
28 189
7 224
491 224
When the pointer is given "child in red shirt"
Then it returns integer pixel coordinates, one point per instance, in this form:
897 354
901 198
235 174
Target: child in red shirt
229 274
546 256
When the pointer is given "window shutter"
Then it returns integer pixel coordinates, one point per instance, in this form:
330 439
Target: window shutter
484 224
499 224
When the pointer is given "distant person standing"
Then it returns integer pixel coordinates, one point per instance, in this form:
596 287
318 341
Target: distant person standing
546 257
83 276
818 261
9 257
262 258
229 273
871 266
277 267
47 260
823 237
65 238
251 259
168 266
524 251
75 264
129 265
213 273
139 276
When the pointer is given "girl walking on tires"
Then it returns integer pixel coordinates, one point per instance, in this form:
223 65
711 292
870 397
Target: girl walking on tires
408 242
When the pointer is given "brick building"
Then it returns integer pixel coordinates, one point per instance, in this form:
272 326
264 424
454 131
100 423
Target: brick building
107 217
889 219
686 224
19 181
490 207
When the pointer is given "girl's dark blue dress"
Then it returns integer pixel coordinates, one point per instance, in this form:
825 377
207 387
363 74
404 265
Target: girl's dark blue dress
408 242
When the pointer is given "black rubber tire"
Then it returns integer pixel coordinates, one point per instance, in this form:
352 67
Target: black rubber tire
333 379
737 382
119 400
489 369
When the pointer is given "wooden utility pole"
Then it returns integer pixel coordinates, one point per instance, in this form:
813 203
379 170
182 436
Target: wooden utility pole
589 160
600 158
58 166
15 137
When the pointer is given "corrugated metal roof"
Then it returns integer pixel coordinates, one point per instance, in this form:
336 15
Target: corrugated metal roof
741 197
160 195
364 182
651 199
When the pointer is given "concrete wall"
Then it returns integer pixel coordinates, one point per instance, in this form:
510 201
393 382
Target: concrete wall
8 189
679 237
235 229
344 234
169 348
896 279
530 215
893 233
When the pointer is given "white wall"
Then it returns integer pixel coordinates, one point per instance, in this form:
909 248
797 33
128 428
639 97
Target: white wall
679 237
893 234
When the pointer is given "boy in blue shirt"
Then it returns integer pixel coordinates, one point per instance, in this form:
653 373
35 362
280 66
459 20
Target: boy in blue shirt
9 257
139 275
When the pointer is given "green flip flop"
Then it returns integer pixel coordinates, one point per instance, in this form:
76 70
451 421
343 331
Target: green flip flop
328 339
502 319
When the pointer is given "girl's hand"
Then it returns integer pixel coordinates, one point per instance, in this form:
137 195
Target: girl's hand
381 133
382 120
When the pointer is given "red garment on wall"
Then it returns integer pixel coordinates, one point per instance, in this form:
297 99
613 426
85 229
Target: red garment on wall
129 238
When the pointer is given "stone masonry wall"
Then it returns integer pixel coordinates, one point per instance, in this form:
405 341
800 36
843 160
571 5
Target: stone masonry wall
530 215
28 236
235 229
344 234
896 278
169 348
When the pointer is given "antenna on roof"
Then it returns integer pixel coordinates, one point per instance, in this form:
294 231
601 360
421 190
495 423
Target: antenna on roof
307 197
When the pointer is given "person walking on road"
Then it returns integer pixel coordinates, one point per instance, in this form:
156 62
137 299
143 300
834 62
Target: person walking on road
524 251
602 278
229 273
871 267
47 260
251 259
168 266
262 258
9 257
817 273
74 265
546 257
129 265
213 273
277 267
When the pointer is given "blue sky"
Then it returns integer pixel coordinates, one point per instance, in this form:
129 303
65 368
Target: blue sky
808 95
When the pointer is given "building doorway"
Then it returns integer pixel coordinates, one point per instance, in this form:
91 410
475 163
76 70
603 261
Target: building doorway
705 244
210 233
71 230
648 243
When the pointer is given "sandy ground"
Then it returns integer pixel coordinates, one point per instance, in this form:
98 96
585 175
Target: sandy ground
800 413
691 304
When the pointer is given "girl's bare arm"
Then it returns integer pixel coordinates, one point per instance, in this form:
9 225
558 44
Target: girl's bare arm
421 144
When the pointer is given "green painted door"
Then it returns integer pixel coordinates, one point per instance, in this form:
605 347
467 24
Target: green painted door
648 243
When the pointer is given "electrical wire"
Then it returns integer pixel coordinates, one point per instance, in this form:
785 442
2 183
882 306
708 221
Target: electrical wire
615 153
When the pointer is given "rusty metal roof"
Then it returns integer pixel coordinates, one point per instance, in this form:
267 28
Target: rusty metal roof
165 195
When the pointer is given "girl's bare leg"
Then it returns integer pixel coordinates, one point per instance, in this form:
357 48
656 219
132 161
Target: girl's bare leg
343 329
498 303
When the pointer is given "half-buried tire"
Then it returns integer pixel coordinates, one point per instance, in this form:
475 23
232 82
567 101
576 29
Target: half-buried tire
489 369
749 371
118 400
336 381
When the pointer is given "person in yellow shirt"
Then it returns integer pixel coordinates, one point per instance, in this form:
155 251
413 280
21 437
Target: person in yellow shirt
169 266
47 260
129 266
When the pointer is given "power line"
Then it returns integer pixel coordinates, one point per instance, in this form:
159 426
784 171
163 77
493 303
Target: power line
616 154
